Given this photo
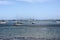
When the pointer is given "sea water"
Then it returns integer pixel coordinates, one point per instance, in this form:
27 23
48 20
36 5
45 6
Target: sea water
29 33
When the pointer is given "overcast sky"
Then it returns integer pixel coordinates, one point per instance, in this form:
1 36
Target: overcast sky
38 9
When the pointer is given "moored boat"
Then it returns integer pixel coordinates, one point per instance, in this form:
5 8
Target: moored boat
3 22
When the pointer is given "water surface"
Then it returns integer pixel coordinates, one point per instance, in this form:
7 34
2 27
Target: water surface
27 31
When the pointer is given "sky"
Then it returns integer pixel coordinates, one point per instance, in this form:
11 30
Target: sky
25 9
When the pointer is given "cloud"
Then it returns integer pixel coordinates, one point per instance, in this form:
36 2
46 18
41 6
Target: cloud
34 1
4 2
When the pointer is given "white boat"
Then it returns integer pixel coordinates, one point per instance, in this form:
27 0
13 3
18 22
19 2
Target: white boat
58 22
18 24
3 22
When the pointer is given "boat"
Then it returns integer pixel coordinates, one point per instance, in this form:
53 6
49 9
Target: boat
18 23
3 22
58 22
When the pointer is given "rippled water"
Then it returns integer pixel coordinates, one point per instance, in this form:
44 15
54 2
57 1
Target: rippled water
27 31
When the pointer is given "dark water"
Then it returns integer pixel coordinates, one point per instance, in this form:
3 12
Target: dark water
29 33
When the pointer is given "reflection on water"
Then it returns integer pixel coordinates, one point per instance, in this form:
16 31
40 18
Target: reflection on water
29 33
